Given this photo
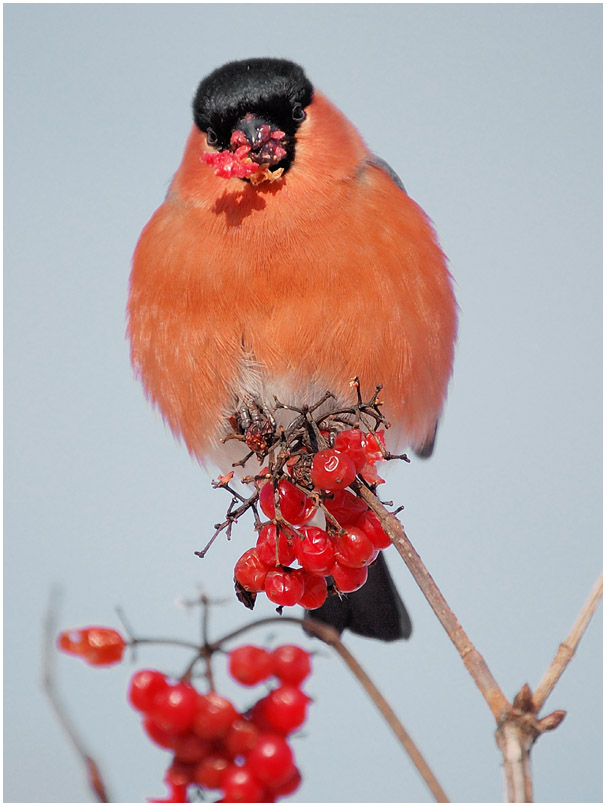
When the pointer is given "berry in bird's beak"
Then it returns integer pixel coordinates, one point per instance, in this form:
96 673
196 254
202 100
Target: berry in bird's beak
264 141
255 149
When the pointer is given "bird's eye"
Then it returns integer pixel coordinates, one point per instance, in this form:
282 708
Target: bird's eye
211 137
298 113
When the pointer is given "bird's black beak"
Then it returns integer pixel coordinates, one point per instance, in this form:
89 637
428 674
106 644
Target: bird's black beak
264 142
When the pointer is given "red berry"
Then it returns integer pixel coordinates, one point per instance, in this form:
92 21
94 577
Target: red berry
288 787
354 548
293 502
210 772
315 591
271 759
241 737
315 551
250 572
284 587
98 646
159 735
285 708
347 579
143 688
190 748
370 524
370 474
240 785
353 444
268 552
174 707
249 664
310 510
177 793
105 646
257 715
332 470
291 664
73 642
214 716
179 773
345 506
374 445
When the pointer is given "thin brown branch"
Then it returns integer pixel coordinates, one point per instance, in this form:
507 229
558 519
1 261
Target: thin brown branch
393 722
94 778
515 744
569 646
473 660
331 637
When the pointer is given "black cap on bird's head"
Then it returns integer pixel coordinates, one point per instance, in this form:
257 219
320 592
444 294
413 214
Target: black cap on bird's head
256 106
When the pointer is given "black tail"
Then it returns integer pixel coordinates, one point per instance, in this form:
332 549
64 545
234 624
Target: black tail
374 611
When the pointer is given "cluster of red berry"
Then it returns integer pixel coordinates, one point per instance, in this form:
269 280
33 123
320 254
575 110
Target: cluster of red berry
99 646
343 555
246 756
229 164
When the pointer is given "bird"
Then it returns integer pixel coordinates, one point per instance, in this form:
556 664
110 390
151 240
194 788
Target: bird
286 259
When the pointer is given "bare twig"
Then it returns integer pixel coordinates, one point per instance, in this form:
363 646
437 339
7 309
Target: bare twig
95 780
474 662
515 746
331 637
567 649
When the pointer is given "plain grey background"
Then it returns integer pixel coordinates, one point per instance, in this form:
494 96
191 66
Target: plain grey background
492 116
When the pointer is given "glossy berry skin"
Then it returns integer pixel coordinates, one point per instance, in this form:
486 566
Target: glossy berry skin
159 735
332 470
241 737
354 548
144 686
250 665
240 785
211 770
352 443
174 707
250 571
285 708
105 647
288 787
190 748
98 646
315 591
371 525
375 446
347 579
345 506
293 503
214 716
291 664
271 759
268 553
315 551
284 588
179 773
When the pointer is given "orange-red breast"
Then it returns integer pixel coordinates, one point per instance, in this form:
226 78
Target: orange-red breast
285 260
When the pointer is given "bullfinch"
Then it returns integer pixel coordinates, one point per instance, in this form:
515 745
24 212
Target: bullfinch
285 260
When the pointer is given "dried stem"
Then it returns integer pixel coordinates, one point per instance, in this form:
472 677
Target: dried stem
515 746
474 662
567 649
393 722
95 780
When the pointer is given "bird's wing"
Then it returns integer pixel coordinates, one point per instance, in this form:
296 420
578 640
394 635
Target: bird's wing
425 450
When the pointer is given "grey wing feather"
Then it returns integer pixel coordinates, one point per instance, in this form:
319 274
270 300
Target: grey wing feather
425 450
385 166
